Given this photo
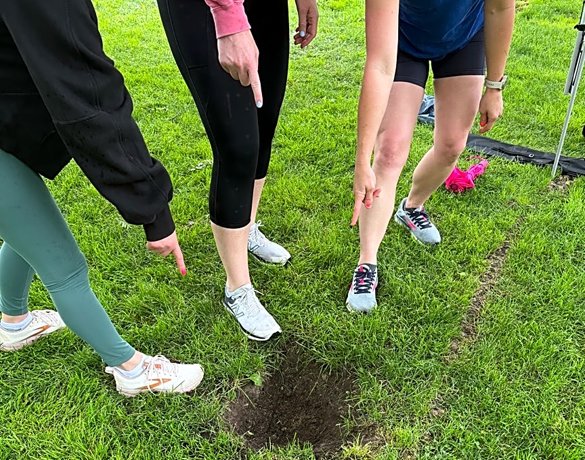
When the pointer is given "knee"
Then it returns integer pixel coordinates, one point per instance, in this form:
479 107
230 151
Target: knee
239 156
78 274
73 275
391 154
450 148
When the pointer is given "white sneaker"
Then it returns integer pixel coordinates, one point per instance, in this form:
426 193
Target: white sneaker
44 322
254 320
159 375
265 249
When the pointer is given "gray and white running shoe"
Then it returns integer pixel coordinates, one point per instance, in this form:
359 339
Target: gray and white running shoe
362 292
417 222
253 318
264 249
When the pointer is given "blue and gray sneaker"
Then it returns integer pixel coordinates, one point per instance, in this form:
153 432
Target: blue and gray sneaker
253 318
362 292
417 222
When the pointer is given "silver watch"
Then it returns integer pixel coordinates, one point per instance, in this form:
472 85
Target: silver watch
499 85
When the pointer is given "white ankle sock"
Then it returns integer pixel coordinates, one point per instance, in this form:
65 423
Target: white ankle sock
14 327
136 372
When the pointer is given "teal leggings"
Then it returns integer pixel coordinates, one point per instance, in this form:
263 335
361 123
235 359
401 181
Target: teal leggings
38 240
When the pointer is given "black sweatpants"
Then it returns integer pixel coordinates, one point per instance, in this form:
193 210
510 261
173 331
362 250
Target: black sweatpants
240 134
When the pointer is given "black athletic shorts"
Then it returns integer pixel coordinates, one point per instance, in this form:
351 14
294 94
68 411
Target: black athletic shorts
469 60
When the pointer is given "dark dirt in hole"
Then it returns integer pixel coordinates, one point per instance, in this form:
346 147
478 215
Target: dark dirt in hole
487 282
299 401
560 183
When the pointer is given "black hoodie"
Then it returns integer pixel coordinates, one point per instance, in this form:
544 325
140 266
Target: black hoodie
61 98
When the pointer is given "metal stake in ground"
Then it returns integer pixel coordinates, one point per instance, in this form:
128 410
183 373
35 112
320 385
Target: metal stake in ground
572 85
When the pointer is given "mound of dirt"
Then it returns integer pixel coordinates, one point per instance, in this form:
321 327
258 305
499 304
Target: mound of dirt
298 402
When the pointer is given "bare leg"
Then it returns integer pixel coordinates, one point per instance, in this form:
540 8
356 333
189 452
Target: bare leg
392 148
232 245
456 105
258 187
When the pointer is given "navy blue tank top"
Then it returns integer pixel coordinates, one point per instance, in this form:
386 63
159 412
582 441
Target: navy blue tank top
431 29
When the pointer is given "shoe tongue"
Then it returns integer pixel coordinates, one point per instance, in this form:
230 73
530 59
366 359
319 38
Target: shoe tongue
257 235
369 267
159 363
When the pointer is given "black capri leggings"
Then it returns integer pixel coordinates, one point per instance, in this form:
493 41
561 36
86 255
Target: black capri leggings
240 134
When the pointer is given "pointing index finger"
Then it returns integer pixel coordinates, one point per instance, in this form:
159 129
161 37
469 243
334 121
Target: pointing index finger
180 260
256 87
357 207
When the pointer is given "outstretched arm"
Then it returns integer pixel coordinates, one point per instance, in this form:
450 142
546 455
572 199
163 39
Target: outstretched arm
92 112
499 24
382 48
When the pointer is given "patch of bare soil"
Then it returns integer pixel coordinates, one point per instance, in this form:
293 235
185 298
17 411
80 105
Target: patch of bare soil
298 402
560 183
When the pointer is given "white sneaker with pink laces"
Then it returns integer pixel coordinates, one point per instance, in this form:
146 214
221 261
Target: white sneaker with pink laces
43 323
159 375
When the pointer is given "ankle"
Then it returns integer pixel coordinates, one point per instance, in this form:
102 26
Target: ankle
233 286
368 260
16 323
14 319
133 362
414 203
409 204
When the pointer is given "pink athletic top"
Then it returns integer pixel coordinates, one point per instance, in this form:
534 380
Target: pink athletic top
229 16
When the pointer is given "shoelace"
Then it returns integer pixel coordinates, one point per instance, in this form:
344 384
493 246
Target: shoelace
364 279
45 317
257 238
420 218
245 302
159 366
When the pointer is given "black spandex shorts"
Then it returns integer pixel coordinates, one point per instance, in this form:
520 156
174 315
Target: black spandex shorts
469 60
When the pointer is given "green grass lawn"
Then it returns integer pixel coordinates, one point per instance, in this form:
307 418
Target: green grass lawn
516 391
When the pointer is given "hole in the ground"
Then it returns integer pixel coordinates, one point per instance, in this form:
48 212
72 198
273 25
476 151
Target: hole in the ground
561 183
299 402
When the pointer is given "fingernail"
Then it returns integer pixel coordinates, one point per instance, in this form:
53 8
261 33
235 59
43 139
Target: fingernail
184 271
259 104
303 33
